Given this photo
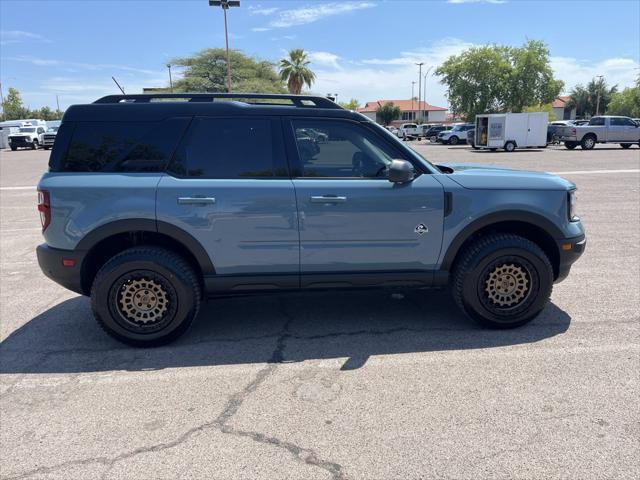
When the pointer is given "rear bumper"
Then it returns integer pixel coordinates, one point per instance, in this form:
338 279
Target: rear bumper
51 264
570 250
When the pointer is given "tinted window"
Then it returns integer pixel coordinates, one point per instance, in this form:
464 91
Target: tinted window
122 146
597 121
231 148
346 150
619 122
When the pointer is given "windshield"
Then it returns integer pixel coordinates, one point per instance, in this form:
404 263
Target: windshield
52 129
457 128
27 130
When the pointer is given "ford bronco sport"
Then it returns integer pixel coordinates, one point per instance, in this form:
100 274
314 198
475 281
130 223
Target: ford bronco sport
150 206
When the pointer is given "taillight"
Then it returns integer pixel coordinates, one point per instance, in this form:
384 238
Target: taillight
44 207
573 131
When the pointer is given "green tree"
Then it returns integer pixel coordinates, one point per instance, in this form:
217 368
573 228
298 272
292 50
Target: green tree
296 72
498 78
387 113
352 104
626 102
585 99
12 107
206 71
547 107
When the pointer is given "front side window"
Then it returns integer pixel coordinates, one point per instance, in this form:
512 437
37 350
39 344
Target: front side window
347 151
622 122
228 148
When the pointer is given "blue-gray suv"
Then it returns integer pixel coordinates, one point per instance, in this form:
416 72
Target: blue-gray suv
154 202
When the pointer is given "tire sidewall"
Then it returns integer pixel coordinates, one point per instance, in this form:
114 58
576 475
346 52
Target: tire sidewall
541 290
102 298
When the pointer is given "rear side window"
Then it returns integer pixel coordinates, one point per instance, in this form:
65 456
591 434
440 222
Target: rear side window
121 146
597 121
227 148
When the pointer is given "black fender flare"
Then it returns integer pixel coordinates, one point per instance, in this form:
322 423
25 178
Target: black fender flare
149 225
522 216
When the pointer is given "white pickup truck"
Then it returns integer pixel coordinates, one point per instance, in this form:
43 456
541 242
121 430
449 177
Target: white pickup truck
409 131
601 129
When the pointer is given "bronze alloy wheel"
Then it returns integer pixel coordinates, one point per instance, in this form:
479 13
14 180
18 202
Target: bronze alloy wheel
507 285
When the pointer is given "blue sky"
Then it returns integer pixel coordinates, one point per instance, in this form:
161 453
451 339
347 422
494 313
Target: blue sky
360 48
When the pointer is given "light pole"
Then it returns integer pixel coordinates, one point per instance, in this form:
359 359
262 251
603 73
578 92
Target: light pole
226 4
170 80
2 98
599 89
420 88
424 90
413 110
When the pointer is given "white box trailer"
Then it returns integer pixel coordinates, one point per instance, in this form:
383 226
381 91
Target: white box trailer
511 130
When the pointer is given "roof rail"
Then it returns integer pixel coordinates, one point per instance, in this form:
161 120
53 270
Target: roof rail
300 101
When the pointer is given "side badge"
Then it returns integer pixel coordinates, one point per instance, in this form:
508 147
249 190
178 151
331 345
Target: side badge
421 229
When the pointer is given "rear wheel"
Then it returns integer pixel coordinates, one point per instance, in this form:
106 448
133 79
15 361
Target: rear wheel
13 149
588 142
502 280
145 296
570 145
35 145
509 146
625 145
454 140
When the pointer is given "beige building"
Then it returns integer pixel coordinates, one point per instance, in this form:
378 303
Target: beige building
412 111
561 110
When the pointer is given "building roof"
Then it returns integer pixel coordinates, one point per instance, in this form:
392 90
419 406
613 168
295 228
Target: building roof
405 106
560 102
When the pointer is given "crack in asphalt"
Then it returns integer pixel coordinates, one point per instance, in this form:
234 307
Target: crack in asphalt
221 423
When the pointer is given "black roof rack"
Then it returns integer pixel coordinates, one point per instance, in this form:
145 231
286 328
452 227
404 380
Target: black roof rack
300 101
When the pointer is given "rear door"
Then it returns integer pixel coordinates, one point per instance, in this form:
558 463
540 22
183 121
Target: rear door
229 187
352 219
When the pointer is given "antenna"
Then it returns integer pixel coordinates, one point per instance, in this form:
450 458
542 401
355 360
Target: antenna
121 89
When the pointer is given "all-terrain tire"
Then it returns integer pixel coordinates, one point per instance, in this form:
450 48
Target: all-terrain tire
474 272
123 280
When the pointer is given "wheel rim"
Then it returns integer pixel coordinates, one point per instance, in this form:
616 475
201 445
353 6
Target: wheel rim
454 140
143 302
588 143
507 285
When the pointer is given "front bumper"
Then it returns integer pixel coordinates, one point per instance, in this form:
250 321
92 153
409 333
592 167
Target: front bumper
19 142
51 263
570 250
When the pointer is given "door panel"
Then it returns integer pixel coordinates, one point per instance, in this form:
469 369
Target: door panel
374 226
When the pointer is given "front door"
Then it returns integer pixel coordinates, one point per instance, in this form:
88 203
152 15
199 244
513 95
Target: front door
352 219
229 188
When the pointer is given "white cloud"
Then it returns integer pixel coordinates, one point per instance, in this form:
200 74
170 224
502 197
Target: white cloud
49 62
17 36
259 10
324 59
312 13
616 70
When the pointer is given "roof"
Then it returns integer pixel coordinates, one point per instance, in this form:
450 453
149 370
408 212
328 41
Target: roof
405 106
560 102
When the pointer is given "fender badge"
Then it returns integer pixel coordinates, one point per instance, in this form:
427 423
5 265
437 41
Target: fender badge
421 229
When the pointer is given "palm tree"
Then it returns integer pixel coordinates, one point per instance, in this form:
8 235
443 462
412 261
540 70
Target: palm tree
295 71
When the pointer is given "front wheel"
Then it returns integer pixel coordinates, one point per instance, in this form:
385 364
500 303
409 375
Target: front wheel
502 280
146 296
35 145
454 140
13 149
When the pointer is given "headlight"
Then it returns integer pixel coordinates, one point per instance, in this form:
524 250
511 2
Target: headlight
573 215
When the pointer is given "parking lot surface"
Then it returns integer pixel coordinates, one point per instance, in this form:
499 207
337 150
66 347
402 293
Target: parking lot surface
369 385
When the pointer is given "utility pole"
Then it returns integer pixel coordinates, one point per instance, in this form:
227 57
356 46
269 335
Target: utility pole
413 110
57 102
2 98
420 88
170 80
226 4
599 89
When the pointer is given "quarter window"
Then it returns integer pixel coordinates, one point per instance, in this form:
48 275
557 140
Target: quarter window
340 149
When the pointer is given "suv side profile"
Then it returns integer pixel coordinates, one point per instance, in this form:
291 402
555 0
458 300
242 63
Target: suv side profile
151 206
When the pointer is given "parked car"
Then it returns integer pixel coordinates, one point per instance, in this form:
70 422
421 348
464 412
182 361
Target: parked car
458 134
409 131
432 132
174 201
637 120
27 137
601 129
49 137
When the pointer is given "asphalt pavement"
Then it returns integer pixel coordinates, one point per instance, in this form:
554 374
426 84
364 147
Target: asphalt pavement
346 385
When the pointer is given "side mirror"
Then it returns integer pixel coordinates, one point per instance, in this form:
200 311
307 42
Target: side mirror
401 171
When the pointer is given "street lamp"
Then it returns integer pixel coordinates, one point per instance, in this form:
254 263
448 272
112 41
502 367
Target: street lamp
226 4
170 80
424 91
420 87
599 89
413 110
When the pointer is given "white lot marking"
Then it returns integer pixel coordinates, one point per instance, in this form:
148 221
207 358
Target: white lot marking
586 172
29 187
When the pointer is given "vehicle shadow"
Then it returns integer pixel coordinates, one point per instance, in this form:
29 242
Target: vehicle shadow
500 150
283 327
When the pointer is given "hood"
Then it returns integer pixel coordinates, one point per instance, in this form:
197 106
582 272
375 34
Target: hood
488 177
